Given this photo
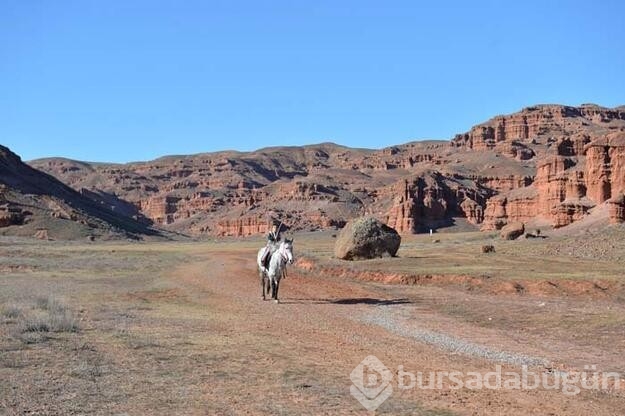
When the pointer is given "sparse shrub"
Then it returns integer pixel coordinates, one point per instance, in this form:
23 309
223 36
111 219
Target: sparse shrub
35 324
489 248
12 311
87 370
63 321
50 304
48 315
32 337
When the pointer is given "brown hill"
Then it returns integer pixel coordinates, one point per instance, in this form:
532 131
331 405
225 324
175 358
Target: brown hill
33 203
549 162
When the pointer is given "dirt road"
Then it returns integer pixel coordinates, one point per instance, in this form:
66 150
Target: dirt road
181 329
324 326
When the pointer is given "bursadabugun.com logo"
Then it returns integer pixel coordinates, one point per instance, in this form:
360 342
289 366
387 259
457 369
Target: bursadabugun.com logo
372 381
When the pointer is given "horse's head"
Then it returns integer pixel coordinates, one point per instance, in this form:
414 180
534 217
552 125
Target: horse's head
286 247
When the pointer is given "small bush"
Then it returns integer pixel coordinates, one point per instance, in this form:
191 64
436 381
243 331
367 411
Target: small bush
488 248
35 324
63 321
12 311
51 304
52 316
32 337
87 370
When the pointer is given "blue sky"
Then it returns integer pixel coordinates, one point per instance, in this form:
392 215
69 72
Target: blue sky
123 80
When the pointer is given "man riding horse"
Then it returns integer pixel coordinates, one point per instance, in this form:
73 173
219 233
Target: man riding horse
273 238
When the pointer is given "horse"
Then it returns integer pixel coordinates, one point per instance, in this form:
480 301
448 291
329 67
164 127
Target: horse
270 277
262 260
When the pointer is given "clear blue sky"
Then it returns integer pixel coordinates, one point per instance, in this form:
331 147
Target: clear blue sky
122 80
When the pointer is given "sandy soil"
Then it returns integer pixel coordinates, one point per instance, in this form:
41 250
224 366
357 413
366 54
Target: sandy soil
181 329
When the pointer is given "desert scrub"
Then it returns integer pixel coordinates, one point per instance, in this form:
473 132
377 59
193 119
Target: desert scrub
47 314
12 311
50 303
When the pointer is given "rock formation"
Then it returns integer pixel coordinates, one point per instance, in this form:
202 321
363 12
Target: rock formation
366 238
579 166
32 201
548 162
616 206
512 231
605 167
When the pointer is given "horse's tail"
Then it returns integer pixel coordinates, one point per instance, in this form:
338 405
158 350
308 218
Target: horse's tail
260 256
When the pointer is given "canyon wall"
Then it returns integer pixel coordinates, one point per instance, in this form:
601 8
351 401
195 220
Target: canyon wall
548 162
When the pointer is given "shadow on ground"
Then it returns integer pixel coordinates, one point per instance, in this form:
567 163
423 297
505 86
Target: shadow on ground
349 301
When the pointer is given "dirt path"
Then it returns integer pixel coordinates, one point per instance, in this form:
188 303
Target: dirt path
296 357
181 329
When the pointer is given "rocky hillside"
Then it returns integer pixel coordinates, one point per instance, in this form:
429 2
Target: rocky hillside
549 162
33 203
579 159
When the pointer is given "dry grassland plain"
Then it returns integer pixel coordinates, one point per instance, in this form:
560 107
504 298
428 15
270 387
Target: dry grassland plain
180 327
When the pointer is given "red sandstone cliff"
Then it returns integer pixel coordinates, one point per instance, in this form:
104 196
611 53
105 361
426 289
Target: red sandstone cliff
549 162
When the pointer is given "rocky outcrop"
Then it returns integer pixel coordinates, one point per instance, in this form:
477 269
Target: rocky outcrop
548 161
512 231
561 191
572 145
243 227
532 123
42 234
495 214
30 198
516 206
473 211
583 165
605 167
366 238
11 215
551 182
558 194
504 183
616 209
425 201
401 216
569 211
160 209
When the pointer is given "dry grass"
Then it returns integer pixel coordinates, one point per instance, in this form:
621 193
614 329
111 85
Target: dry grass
461 254
170 328
33 321
12 311
118 335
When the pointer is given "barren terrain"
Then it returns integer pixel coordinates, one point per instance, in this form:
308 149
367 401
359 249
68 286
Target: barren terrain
551 163
179 328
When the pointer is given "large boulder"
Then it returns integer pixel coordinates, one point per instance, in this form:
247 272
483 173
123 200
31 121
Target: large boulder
512 231
366 238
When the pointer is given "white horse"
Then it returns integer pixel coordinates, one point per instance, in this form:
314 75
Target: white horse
282 253
262 260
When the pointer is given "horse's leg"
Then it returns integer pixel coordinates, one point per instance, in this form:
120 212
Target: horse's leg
274 289
270 287
262 282
277 289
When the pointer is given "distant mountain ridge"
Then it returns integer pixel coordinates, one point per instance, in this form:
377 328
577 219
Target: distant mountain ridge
537 164
35 203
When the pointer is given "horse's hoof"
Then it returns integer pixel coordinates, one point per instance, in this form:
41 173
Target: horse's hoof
276 300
